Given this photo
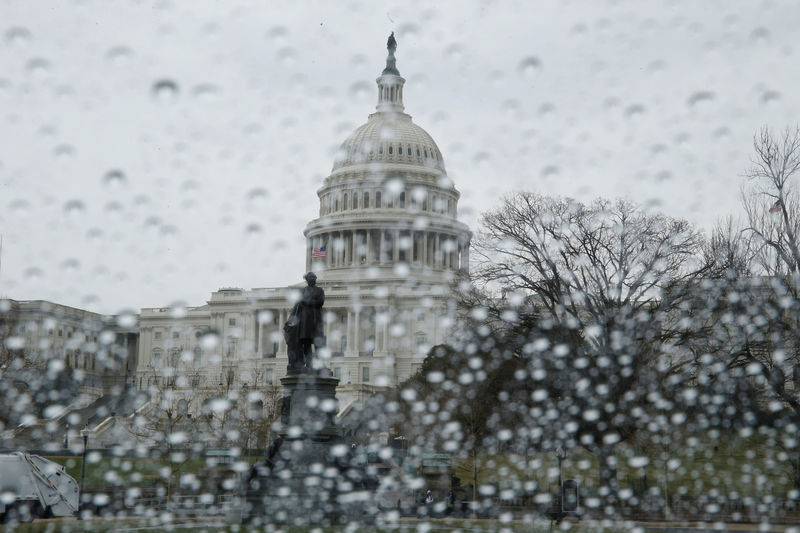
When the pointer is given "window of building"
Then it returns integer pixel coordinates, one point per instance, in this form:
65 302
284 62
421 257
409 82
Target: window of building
417 151
344 202
420 340
366 200
60 333
402 200
355 201
337 372
175 334
421 317
390 149
195 382
343 345
270 376
380 149
378 199
400 150
365 374
231 321
157 335
198 356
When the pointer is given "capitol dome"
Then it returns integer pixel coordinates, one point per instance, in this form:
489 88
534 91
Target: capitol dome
388 210
389 137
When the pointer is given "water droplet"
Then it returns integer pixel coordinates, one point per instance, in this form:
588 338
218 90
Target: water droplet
277 33
287 56
113 207
454 53
257 197
74 207
634 111
206 92
34 273
39 66
15 343
126 319
550 171
20 207
18 36
760 36
546 109
768 96
165 91
252 230
360 90
70 266
699 98
114 178
63 151
529 67
119 56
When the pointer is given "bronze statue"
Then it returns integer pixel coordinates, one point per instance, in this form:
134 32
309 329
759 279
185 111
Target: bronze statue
391 44
304 328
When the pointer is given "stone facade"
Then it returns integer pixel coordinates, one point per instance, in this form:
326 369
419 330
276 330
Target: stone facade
386 246
99 350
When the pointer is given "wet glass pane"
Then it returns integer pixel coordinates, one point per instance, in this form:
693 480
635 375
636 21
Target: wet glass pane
463 266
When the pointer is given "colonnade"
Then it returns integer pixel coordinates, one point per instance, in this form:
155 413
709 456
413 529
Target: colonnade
361 325
380 246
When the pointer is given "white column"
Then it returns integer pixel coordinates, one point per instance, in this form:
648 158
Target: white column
424 251
282 314
378 344
381 243
396 246
437 251
348 333
356 347
369 247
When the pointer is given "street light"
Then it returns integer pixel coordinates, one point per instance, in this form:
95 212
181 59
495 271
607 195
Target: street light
66 437
561 454
85 434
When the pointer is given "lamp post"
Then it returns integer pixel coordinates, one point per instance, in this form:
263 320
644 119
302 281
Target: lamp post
85 434
66 437
561 454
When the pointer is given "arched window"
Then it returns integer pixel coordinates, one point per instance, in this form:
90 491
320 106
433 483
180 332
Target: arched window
336 205
378 199
355 200
400 150
380 149
366 200
426 153
344 202
390 149
417 151
402 200
408 150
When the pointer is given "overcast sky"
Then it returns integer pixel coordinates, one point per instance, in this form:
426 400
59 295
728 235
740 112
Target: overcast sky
152 152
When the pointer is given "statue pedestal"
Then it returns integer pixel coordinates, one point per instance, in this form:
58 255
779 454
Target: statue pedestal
309 407
309 475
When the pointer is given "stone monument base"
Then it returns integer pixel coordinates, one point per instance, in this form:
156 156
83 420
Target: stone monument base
309 476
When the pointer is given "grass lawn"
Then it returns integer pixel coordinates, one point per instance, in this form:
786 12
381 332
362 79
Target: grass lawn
432 526
715 463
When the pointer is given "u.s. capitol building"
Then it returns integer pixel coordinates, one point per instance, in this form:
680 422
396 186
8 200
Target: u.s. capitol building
386 247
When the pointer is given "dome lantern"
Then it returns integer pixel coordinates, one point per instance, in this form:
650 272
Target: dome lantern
390 83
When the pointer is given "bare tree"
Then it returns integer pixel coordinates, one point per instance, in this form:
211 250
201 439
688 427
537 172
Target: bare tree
167 422
588 295
772 204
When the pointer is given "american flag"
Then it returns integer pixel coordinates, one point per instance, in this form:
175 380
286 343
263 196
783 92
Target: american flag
318 253
776 207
